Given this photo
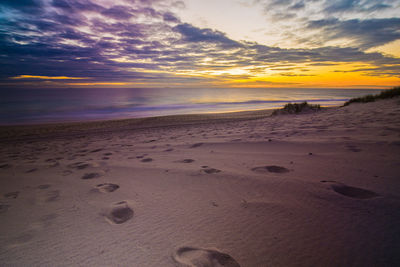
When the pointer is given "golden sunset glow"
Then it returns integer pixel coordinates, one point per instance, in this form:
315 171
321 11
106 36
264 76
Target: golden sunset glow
47 77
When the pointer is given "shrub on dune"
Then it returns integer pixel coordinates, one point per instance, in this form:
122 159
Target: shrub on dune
371 98
296 108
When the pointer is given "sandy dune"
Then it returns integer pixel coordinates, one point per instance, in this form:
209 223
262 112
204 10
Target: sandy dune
240 189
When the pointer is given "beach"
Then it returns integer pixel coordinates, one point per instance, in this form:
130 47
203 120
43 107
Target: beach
230 189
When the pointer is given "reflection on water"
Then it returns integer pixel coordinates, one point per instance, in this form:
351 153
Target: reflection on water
54 105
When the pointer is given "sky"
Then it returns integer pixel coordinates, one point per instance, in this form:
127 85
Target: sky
200 43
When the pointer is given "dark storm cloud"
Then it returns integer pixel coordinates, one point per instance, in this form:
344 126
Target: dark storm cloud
297 6
170 17
78 5
21 3
118 12
329 7
390 70
366 33
355 6
141 41
355 20
194 34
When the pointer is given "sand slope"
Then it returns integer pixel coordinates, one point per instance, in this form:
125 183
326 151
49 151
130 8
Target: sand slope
319 189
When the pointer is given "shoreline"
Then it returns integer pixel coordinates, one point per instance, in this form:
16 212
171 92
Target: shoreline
212 115
86 127
123 124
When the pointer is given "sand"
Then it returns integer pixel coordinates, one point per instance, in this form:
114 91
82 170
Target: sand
239 189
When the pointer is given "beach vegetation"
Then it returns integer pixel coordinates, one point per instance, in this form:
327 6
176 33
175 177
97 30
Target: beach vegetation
371 98
296 108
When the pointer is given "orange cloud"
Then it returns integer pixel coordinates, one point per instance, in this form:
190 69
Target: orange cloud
97 83
47 77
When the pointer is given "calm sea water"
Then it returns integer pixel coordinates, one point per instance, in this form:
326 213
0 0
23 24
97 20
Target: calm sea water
30 106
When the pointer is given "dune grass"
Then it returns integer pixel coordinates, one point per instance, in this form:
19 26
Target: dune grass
371 98
296 108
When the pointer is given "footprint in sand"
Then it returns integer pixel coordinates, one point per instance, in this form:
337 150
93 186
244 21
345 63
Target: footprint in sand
43 186
79 165
66 172
353 148
200 257
5 166
196 145
91 175
119 213
51 196
351 191
11 194
4 207
272 168
106 187
210 170
186 161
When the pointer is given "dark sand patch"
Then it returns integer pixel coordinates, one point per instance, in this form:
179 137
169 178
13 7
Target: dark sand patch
96 150
66 172
146 160
31 170
56 164
196 145
353 192
169 150
353 148
4 207
120 213
52 196
327 181
5 166
91 175
186 161
79 165
210 170
199 257
11 194
107 187
214 204
43 186
272 168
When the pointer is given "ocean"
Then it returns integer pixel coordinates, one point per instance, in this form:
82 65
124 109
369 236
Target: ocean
34 106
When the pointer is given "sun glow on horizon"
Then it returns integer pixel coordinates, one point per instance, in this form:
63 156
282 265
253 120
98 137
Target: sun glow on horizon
47 77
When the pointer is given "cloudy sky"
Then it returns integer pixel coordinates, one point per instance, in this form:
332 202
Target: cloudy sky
200 43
